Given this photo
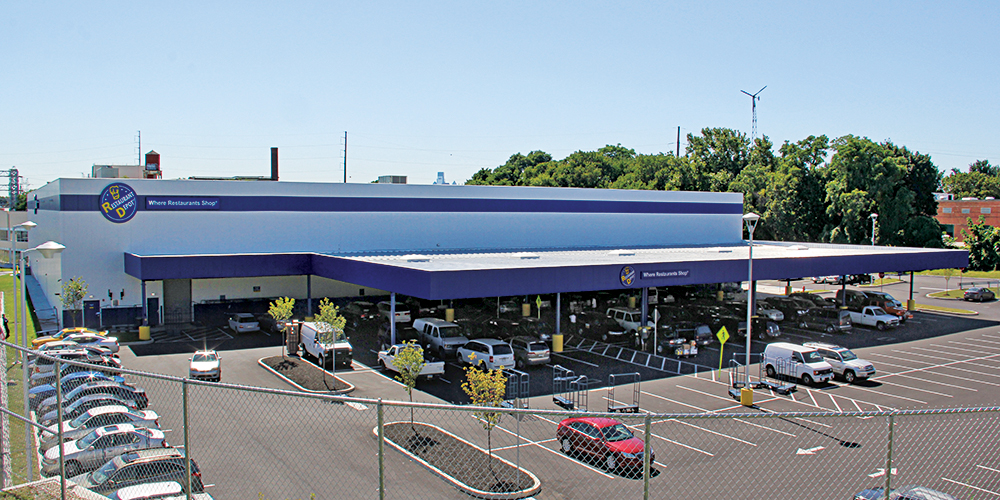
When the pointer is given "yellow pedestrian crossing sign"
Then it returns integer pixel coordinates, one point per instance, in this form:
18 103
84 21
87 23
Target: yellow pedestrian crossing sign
723 335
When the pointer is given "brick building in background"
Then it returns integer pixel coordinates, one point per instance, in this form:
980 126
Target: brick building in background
954 215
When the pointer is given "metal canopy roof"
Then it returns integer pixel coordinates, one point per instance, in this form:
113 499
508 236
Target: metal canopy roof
489 274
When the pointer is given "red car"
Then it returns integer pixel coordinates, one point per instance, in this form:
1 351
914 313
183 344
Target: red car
604 439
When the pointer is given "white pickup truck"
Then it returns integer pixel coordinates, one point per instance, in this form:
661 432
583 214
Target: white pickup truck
874 316
386 359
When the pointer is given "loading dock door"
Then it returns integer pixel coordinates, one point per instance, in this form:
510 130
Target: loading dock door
176 301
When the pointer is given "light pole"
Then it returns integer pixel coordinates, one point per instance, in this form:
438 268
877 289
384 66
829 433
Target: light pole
751 221
873 217
48 250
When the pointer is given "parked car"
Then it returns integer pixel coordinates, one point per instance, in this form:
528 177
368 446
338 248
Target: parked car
94 418
94 339
205 365
769 312
603 439
494 328
139 467
41 340
487 353
69 382
629 319
763 329
137 397
716 317
243 323
979 294
534 327
816 299
529 351
101 445
844 362
596 326
904 493
827 320
791 307
359 311
404 333
431 369
440 337
889 304
402 312
46 363
108 365
83 404
267 323
165 490
48 348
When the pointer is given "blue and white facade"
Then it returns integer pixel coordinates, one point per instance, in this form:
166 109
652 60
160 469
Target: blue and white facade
260 239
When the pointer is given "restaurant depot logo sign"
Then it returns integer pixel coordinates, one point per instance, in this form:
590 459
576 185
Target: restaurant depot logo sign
627 275
118 202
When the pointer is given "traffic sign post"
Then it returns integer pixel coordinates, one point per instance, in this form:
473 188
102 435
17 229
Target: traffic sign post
723 336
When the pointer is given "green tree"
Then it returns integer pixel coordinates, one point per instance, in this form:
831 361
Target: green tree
984 167
281 311
512 172
409 362
329 327
73 292
487 388
718 156
971 184
981 240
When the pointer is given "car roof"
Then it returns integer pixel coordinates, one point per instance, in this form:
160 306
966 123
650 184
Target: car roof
103 410
489 341
824 345
599 422
244 315
207 351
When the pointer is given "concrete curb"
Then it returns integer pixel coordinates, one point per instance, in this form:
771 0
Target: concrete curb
350 387
535 488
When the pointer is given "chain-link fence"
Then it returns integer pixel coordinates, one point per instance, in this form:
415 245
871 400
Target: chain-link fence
272 444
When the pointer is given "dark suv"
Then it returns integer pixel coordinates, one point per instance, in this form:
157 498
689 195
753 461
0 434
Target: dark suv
140 467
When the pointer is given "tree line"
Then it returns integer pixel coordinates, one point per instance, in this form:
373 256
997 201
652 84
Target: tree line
799 194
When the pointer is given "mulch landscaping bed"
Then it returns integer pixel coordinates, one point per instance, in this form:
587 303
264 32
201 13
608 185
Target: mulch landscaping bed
304 373
458 459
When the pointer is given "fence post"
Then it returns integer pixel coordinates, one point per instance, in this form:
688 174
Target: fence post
381 452
647 430
187 451
888 459
59 418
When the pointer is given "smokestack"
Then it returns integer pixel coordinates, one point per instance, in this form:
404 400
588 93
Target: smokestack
274 164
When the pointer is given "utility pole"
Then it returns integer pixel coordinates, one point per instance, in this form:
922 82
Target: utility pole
345 157
678 141
138 134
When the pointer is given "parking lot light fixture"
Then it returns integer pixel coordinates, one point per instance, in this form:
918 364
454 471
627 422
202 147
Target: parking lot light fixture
873 217
751 221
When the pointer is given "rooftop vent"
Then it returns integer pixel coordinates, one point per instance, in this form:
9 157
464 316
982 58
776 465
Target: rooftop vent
798 247
622 253
525 255
416 258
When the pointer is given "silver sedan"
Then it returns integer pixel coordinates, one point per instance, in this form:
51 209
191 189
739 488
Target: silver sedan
100 446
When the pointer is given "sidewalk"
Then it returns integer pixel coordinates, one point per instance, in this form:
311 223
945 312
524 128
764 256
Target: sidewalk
46 313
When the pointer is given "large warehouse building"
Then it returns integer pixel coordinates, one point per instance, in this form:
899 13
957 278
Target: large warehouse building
172 244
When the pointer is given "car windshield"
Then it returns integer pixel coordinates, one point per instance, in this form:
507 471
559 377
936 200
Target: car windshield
450 331
88 440
249 319
617 432
78 421
537 346
848 355
878 311
812 357
204 357
101 475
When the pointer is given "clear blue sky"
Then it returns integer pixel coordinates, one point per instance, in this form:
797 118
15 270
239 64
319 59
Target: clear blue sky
423 87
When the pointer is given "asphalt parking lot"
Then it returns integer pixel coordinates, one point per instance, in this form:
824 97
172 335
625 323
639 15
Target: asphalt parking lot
934 361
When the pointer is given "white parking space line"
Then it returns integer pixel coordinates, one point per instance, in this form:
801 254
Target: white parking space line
944 365
764 427
939 352
899 359
812 398
974 340
574 359
917 389
979 351
988 468
682 445
716 396
873 391
710 431
948 385
657 396
971 486
834 401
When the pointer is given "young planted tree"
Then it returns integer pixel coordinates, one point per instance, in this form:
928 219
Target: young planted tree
486 388
281 311
409 363
329 327
73 292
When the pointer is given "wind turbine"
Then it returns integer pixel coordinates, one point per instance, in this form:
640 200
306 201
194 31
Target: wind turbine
753 100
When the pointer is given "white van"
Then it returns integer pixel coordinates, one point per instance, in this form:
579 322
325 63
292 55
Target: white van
440 337
341 349
796 361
